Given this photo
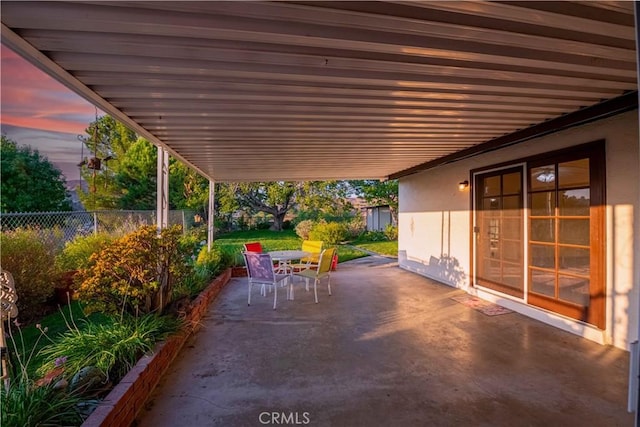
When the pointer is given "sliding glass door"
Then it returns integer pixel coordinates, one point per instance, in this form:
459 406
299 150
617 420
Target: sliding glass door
553 254
566 235
499 231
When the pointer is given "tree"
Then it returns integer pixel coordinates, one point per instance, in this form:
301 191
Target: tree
187 188
379 193
127 180
312 199
29 181
108 140
135 177
274 198
323 200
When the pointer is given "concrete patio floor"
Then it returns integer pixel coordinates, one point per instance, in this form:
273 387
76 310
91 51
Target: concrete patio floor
389 348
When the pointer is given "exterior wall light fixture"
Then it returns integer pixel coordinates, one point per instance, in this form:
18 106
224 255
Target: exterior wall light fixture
463 185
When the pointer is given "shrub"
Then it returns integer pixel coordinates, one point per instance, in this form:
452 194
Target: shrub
355 227
135 273
191 242
211 261
373 236
112 347
391 232
232 256
77 252
31 262
331 233
303 228
206 266
263 225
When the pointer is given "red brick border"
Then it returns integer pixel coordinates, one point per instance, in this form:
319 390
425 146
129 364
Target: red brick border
127 398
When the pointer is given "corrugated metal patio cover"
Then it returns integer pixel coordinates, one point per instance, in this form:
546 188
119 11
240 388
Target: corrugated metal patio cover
328 90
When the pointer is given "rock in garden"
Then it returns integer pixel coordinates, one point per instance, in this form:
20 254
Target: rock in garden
61 385
87 379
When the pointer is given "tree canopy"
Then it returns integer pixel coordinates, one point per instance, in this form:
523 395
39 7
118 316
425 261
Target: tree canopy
29 181
311 199
274 198
127 180
379 193
107 139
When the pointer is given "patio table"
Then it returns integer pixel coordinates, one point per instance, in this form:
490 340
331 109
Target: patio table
284 258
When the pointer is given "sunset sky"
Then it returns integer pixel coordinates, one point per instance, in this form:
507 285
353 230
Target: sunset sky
38 111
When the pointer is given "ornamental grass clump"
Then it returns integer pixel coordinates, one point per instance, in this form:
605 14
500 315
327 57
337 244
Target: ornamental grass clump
113 348
26 402
135 273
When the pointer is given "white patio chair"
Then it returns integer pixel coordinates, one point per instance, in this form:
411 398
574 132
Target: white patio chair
323 270
261 272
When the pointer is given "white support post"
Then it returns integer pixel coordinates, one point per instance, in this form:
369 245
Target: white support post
634 363
162 199
211 213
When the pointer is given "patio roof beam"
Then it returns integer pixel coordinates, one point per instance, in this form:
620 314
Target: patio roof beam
41 61
355 85
607 108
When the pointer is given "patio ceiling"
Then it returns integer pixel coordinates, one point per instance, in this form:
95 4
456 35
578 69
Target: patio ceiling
248 91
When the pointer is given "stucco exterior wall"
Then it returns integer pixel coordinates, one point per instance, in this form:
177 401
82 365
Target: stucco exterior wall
435 229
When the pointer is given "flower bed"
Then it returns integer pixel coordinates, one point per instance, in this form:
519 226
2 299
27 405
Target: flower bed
127 398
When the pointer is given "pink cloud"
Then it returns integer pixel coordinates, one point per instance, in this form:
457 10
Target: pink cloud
32 99
45 123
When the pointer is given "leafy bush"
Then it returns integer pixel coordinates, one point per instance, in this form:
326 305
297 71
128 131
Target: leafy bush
212 261
263 226
231 254
135 273
331 233
76 253
372 236
191 242
391 232
30 260
112 347
207 265
303 228
355 227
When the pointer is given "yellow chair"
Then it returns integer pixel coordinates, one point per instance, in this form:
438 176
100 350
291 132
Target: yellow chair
323 270
314 247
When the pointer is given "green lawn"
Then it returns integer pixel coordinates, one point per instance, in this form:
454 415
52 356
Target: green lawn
273 241
384 248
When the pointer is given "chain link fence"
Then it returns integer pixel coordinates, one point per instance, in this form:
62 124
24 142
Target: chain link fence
60 227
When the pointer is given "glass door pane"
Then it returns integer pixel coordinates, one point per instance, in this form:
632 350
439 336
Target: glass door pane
560 238
499 231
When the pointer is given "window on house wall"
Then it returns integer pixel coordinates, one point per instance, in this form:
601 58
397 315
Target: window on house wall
564 269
